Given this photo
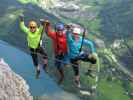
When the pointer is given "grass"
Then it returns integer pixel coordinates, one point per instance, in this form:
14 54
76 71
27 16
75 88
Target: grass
130 87
27 1
111 91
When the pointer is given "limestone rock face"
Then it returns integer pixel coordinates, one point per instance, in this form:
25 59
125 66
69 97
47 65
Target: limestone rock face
12 86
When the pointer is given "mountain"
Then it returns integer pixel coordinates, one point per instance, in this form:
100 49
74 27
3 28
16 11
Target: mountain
109 25
12 86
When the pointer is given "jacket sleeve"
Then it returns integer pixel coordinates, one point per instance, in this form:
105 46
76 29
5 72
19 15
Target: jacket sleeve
23 27
90 45
49 32
69 36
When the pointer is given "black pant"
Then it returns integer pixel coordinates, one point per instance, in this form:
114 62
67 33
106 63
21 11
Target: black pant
75 66
34 53
84 57
59 61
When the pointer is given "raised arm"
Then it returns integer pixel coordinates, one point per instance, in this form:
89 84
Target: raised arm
48 29
40 29
22 25
69 34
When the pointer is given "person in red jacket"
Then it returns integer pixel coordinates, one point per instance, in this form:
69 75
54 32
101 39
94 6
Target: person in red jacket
59 45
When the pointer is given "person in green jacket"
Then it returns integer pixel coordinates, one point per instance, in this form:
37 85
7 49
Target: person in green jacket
34 35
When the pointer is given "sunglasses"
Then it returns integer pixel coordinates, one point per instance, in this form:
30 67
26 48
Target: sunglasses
32 27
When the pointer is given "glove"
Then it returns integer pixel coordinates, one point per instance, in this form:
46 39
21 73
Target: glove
46 22
42 21
93 58
21 17
68 27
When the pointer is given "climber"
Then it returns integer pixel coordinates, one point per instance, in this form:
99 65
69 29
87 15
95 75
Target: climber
34 35
60 47
75 42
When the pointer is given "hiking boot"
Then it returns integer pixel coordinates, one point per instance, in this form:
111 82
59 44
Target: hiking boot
93 90
60 81
37 74
45 68
77 83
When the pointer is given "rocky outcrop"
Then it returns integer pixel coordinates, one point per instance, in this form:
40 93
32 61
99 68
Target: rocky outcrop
67 8
46 4
118 44
100 43
12 86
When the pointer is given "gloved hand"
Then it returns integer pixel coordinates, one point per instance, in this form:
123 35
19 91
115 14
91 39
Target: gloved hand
42 21
21 17
68 27
93 58
46 22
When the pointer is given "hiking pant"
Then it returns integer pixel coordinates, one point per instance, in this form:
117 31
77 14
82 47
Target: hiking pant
59 61
34 54
83 57
75 66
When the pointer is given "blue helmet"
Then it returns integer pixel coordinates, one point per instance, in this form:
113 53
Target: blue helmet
59 26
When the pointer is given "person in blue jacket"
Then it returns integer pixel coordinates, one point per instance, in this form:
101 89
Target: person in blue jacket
74 42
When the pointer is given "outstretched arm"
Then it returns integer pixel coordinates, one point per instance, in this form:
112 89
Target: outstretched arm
90 44
94 55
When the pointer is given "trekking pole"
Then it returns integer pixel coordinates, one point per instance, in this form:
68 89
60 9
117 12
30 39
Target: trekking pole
83 36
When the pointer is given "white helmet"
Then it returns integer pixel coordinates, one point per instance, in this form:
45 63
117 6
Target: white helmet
76 30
